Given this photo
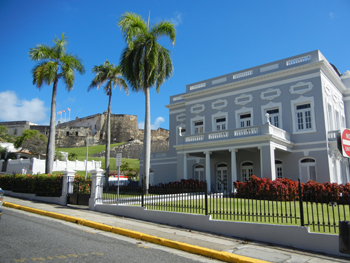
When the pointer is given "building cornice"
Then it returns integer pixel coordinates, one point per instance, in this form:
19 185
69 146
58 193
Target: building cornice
254 80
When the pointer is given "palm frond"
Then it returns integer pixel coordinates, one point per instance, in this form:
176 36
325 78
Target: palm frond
132 26
42 52
164 28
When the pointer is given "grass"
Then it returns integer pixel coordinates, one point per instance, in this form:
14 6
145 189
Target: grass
81 153
320 217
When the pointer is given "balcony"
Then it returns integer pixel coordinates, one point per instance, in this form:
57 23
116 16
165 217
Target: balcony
265 129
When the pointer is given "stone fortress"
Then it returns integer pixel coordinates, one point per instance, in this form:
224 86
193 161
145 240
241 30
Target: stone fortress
124 128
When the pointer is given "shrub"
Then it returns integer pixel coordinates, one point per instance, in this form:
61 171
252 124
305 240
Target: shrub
285 189
42 184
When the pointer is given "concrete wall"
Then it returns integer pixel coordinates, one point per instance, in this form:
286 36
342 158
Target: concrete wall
291 236
35 166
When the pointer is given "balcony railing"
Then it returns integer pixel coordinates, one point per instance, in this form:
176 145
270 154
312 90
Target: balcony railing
237 133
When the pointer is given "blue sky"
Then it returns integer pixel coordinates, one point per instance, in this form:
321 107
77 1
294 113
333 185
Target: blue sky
213 38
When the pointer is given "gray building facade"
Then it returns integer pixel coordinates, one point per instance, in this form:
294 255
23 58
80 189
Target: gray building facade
277 120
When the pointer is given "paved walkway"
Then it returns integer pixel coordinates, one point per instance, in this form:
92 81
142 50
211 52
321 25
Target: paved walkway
253 250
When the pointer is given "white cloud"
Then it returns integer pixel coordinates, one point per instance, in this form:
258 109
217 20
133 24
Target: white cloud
154 126
177 20
14 109
331 15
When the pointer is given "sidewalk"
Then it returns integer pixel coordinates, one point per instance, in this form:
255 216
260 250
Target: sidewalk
253 250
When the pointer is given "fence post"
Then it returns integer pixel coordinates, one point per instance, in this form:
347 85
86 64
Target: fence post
206 198
67 185
96 188
301 207
143 187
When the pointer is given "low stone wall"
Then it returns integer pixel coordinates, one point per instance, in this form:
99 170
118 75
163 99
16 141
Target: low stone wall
132 149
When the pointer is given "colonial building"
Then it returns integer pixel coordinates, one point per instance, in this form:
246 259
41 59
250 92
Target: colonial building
277 120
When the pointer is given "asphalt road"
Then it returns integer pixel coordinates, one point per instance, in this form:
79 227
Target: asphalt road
26 237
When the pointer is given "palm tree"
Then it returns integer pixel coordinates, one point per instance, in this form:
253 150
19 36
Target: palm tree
55 64
145 64
111 75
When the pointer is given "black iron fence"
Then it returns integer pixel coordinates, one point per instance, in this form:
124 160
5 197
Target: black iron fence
320 213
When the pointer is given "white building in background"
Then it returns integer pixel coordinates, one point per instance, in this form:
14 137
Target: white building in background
277 120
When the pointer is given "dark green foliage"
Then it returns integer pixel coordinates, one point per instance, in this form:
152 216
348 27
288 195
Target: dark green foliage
72 156
42 184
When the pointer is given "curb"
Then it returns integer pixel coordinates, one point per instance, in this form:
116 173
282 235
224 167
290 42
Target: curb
221 255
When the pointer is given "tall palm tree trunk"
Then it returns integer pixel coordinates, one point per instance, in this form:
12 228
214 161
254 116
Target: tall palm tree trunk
50 151
147 139
108 141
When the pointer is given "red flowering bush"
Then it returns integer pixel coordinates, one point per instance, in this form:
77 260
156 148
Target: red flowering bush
82 185
183 185
285 189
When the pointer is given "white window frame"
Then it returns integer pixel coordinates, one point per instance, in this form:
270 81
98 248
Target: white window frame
279 168
241 112
251 166
200 169
305 170
272 106
197 119
216 116
298 102
221 185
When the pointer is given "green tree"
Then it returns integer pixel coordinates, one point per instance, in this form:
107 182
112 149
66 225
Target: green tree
55 64
36 145
72 156
111 76
145 64
3 129
27 134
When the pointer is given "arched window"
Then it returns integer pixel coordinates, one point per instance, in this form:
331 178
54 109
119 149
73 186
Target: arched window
246 171
307 169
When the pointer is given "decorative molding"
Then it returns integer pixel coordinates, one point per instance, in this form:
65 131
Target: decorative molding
198 86
341 104
219 104
301 87
327 90
335 98
177 98
270 94
181 117
243 74
243 99
347 73
298 60
198 108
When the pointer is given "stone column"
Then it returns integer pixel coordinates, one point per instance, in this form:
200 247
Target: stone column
185 167
67 185
233 167
267 162
96 188
207 170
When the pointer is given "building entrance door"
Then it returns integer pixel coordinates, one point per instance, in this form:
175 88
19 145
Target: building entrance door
199 172
221 177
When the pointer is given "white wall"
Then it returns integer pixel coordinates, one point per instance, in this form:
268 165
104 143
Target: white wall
34 166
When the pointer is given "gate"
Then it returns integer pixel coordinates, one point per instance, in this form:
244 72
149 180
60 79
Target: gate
79 191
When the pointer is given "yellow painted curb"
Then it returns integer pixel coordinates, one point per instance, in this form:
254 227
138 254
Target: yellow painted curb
221 255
